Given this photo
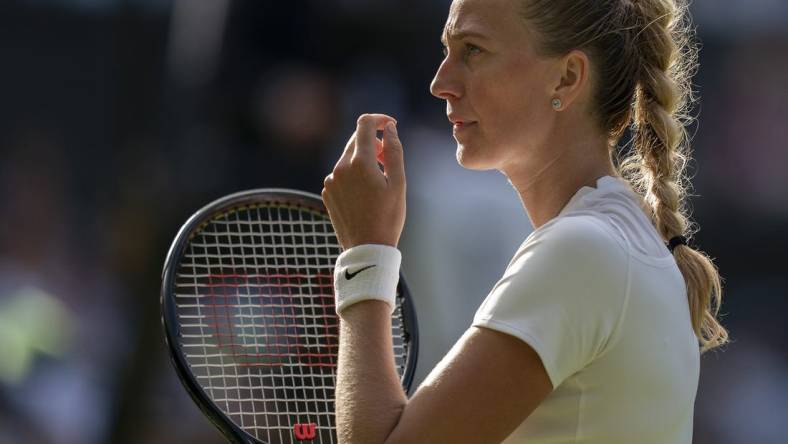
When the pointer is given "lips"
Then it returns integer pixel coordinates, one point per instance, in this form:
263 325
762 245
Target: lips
453 118
460 123
460 128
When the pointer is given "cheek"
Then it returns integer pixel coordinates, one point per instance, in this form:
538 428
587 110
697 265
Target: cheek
514 106
522 103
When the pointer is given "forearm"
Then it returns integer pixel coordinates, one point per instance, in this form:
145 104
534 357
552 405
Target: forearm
369 394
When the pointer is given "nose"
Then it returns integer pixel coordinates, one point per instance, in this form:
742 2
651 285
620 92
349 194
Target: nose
445 84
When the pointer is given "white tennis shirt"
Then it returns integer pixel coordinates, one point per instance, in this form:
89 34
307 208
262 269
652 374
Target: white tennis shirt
599 297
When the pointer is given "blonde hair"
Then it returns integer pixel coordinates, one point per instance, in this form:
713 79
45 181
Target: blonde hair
644 55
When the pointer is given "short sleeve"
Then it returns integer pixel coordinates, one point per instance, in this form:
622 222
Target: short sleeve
562 293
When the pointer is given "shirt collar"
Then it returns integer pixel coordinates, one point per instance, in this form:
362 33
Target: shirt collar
605 185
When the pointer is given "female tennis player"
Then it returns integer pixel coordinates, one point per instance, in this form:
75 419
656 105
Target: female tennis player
594 331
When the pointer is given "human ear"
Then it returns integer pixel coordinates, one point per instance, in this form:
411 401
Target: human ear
574 69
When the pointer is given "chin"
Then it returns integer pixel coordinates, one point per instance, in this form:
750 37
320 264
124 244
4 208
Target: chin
471 159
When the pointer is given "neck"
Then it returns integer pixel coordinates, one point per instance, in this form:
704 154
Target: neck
547 181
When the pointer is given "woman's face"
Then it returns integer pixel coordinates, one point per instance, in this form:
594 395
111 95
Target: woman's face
497 89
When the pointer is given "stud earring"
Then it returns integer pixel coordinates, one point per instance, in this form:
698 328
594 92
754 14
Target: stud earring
556 103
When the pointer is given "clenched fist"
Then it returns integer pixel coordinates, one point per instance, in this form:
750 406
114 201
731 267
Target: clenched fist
367 205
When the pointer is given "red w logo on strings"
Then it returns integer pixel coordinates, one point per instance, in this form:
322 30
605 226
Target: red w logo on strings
304 431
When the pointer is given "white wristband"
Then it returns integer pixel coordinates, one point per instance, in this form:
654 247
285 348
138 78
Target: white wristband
369 271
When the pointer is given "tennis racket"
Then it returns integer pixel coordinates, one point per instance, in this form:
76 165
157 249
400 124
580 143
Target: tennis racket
249 316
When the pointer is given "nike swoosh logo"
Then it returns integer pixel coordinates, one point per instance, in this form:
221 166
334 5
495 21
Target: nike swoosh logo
349 275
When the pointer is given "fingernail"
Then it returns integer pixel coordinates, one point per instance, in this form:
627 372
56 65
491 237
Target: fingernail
391 128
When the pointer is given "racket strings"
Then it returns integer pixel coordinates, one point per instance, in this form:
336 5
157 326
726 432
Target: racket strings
254 297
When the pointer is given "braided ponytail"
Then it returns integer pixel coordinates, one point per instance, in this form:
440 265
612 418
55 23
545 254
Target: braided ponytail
645 55
656 168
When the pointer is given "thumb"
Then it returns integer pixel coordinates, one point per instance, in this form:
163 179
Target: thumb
393 161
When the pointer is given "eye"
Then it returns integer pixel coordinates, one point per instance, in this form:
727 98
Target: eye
472 49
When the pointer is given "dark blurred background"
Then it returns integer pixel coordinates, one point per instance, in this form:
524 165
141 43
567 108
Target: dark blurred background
120 118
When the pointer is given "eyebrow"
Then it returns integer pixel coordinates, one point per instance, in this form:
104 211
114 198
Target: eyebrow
459 35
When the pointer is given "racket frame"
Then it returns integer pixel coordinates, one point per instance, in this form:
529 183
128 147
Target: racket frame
204 215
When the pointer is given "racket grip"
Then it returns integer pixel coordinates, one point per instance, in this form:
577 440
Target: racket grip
369 271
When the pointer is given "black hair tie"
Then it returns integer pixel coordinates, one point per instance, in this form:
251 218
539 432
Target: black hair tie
675 241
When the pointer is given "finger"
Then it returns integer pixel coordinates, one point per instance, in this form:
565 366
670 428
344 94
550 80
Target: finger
379 150
348 152
393 156
366 135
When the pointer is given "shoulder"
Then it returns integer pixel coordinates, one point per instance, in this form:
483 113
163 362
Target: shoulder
563 294
577 239
572 267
